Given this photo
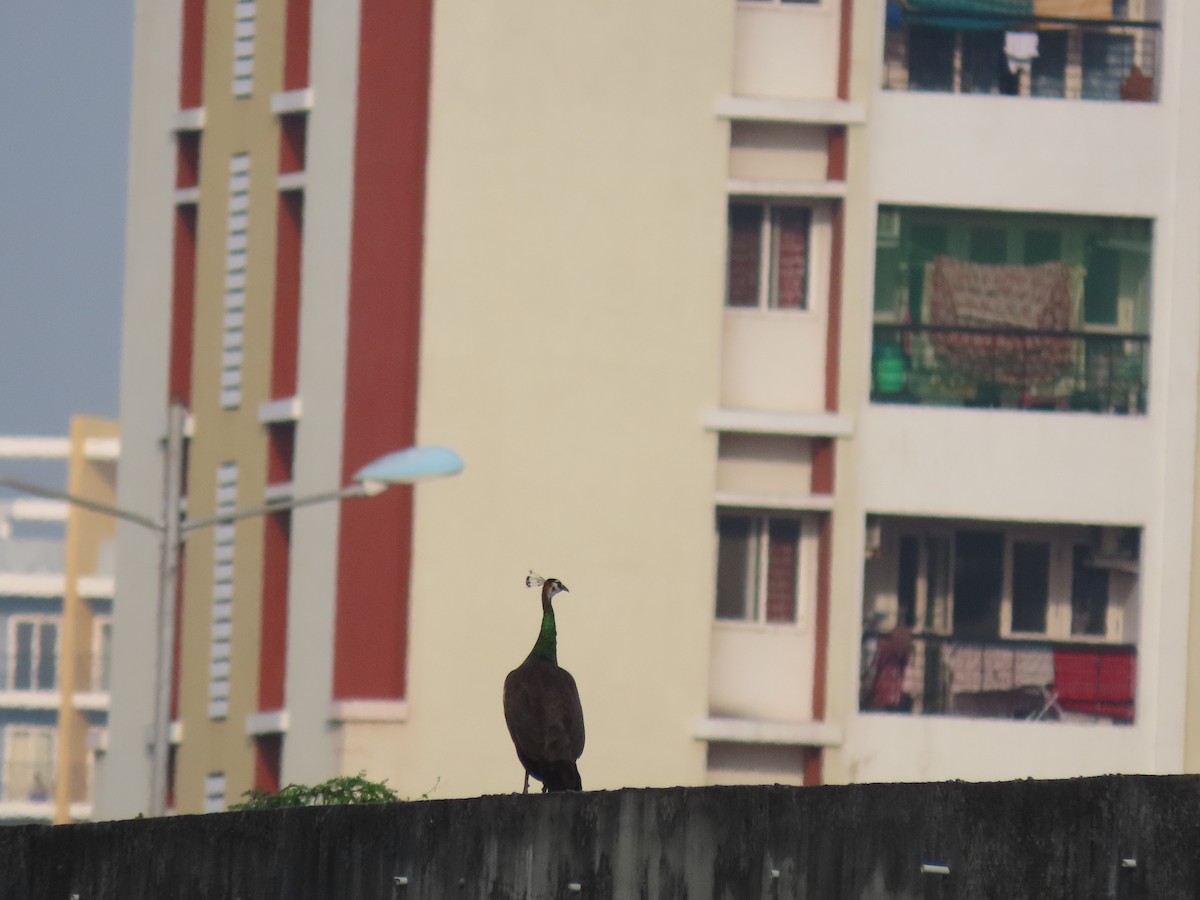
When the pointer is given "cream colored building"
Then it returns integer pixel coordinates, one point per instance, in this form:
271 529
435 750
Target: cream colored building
679 283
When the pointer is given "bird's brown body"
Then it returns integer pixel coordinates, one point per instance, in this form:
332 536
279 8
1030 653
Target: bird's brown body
542 709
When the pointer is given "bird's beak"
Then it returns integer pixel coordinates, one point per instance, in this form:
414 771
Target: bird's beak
565 589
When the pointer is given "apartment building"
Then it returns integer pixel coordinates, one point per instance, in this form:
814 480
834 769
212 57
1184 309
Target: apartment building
836 355
56 600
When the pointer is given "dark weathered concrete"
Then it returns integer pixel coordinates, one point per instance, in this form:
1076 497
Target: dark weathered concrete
1048 839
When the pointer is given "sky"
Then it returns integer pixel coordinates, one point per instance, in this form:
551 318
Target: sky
65 68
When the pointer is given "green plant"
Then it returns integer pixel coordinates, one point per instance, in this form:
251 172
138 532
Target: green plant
341 791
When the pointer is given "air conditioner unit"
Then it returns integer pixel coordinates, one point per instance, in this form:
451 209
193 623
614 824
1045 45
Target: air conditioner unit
1116 548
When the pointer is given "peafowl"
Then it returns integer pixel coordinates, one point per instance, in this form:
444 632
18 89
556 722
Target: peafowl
541 706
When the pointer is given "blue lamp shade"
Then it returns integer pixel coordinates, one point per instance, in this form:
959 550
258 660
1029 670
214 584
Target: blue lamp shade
413 464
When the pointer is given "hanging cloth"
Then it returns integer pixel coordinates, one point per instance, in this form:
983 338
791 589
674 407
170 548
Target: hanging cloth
1021 48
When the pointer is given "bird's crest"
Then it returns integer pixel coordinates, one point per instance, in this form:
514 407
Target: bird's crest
534 580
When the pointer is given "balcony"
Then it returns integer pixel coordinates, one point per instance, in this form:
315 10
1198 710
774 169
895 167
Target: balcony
1011 368
934 674
965 47
1012 310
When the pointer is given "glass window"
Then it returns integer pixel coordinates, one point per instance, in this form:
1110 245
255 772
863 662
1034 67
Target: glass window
737 553
1030 586
1089 595
758 563
745 252
784 231
35 655
930 59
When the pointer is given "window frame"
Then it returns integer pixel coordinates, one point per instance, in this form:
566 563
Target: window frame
768 270
38 621
804 577
10 732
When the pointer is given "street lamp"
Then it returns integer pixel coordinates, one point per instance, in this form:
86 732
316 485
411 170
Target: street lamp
401 467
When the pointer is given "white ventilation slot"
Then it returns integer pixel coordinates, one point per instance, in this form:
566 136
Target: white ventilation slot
243 49
214 792
222 596
232 341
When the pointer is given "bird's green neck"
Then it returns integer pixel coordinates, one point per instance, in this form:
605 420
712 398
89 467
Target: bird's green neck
547 642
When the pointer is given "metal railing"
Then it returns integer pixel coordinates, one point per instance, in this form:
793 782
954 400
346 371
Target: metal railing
935 674
1076 59
1010 368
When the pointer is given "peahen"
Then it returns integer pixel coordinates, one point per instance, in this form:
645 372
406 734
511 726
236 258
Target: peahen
541 706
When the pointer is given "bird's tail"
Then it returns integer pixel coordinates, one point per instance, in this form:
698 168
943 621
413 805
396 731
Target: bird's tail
563 776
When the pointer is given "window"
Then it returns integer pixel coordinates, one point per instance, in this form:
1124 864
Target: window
243 48
1030 586
758 568
214 792
768 256
221 636
102 655
34 656
29 764
236 246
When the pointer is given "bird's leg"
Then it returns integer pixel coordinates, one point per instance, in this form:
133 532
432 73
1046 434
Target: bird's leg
526 790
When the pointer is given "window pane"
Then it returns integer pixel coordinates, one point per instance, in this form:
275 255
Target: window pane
930 59
783 558
23 664
745 240
736 566
1042 246
906 588
989 245
1050 65
1107 59
925 242
1089 595
1030 586
1101 284
983 60
104 663
978 578
47 658
789 262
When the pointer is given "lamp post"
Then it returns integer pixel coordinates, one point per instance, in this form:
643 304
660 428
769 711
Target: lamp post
401 467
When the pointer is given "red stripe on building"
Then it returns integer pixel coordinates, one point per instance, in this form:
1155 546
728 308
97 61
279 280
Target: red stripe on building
272 657
375 539
296 40
183 303
286 331
191 55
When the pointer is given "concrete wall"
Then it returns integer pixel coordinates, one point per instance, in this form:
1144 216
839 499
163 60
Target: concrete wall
1097 838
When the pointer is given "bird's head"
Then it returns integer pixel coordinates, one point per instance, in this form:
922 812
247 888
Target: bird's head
552 585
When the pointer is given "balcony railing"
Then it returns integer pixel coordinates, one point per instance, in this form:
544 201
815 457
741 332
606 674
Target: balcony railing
1010 368
933 674
1074 59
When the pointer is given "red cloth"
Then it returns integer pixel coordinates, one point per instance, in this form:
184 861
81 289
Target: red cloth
891 659
1098 681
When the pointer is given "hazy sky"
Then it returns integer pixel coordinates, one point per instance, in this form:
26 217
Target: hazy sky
64 132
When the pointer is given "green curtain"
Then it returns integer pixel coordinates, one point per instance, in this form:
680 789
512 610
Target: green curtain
970 13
